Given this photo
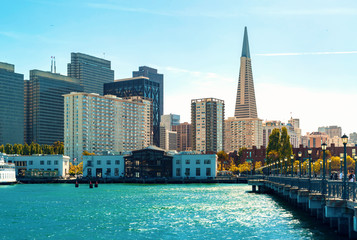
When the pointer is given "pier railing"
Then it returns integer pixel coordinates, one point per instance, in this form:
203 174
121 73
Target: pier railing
330 188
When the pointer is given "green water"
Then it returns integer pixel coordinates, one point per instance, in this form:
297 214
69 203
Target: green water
135 211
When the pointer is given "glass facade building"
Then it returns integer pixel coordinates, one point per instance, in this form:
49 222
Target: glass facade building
44 111
152 74
92 72
143 87
11 105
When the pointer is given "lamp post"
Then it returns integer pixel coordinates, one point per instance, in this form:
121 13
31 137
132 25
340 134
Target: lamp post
300 156
292 165
344 186
341 162
323 146
329 161
309 151
355 157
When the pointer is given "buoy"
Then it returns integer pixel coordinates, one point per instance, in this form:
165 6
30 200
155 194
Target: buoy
96 184
90 184
76 184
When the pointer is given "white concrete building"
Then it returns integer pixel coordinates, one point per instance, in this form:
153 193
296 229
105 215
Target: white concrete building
103 166
193 165
96 123
58 163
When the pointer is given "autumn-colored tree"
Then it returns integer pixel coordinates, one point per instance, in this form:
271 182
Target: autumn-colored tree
26 149
257 166
335 163
86 153
244 167
233 168
75 169
2 148
223 160
9 149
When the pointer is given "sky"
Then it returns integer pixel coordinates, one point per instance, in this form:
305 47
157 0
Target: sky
304 53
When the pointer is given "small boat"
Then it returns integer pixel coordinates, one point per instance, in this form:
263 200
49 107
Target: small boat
7 172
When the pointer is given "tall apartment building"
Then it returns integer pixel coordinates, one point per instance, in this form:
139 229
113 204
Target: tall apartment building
44 105
353 138
242 132
184 136
97 123
92 72
143 87
315 139
168 139
331 131
11 105
152 74
207 119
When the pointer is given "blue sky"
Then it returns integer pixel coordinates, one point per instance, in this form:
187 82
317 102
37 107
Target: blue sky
304 53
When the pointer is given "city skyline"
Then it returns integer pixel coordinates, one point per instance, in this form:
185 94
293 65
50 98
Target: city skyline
296 47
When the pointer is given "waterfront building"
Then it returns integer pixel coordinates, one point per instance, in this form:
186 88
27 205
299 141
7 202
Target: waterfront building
39 165
152 74
194 165
103 166
11 105
97 123
150 162
207 118
92 72
245 102
44 105
331 131
143 87
170 120
242 132
184 136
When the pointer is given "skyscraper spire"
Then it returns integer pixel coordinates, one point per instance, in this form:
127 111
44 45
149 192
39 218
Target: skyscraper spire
245 49
245 102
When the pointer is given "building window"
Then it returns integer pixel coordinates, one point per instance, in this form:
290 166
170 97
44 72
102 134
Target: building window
187 172
198 161
89 172
109 170
30 162
198 172
48 162
56 162
116 171
137 174
99 162
178 161
207 161
117 162
187 161
158 174
178 172
89 164
158 162
42 162
109 162
208 172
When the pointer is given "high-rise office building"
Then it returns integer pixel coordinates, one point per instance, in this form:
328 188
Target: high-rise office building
170 120
142 87
45 105
184 136
245 129
331 131
245 102
11 105
207 119
168 138
97 123
152 74
92 72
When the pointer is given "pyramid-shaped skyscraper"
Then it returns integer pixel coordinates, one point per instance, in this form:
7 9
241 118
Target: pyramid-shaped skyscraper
246 106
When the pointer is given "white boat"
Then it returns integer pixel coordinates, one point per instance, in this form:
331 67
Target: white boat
7 172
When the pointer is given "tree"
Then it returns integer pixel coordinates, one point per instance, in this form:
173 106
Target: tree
58 147
244 167
240 154
2 148
26 149
75 169
257 165
86 153
9 149
222 159
273 148
286 150
335 163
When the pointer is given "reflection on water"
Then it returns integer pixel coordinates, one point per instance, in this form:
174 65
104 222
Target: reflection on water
134 211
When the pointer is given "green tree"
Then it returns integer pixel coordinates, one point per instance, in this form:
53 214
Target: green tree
286 149
26 149
18 149
2 148
58 147
223 162
273 149
9 149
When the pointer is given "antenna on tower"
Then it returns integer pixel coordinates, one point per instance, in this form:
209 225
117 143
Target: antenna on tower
54 64
104 55
51 64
